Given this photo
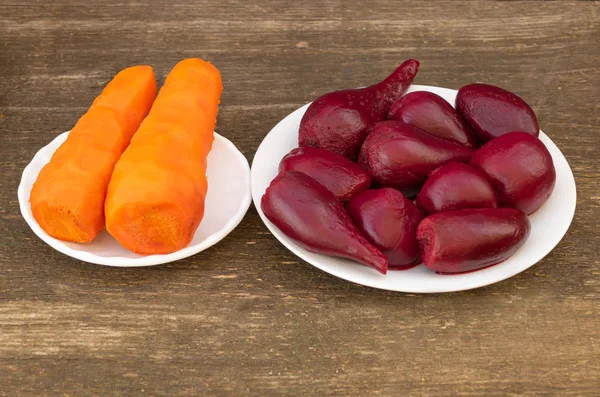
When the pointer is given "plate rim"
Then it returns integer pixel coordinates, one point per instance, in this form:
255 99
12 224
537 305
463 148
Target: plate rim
143 261
476 282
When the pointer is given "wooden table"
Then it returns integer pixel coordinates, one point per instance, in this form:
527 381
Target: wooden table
247 317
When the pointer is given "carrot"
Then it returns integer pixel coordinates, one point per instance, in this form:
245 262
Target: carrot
67 199
156 195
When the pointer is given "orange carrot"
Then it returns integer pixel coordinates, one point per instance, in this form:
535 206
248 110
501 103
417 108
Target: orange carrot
67 199
156 195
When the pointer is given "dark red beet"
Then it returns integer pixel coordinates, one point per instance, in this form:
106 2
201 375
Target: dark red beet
389 220
340 121
492 111
341 176
435 116
308 213
520 169
456 186
401 156
467 240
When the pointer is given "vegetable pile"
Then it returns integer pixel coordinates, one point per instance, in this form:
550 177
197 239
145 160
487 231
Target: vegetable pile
389 180
143 178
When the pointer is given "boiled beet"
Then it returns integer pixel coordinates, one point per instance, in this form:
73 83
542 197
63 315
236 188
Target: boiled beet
401 156
308 213
389 220
492 111
520 169
341 176
456 186
435 116
467 240
340 121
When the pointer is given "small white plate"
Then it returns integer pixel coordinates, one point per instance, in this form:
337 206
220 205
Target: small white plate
227 201
548 224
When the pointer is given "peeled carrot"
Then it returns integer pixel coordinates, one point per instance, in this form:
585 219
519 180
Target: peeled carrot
67 199
156 195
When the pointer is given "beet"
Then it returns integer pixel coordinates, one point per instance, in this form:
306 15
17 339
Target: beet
432 114
456 186
308 213
520 169
341 176
389 220
492 111
401 156
466 240
340 121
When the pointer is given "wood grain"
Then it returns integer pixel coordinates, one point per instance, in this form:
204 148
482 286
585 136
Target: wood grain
247 317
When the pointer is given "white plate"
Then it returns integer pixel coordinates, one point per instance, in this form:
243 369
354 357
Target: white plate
548 224
227 201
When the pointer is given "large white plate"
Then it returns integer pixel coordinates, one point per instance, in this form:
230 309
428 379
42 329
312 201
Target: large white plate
548 224
227 201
